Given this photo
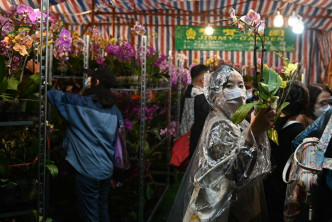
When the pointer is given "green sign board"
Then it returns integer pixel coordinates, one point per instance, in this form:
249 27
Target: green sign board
231 39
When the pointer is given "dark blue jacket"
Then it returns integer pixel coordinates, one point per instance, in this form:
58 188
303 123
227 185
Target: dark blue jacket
89 139
316 129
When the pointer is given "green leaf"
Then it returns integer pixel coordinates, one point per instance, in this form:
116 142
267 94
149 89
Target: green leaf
263 95
272 80
283 105
35 77
6 96
242 112
262 106
28 86
273 135
147 150
52 169
273 99
263 87
12 84
156 133
133 215
286 60
149 191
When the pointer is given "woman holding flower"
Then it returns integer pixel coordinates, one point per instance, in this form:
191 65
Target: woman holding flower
224 179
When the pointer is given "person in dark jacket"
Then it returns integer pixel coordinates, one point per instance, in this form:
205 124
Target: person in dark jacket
89 141
201 110
187 113
288 126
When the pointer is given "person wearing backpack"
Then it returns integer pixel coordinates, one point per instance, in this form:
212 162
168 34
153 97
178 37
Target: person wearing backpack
89 141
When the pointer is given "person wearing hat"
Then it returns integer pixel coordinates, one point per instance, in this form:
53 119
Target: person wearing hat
89 141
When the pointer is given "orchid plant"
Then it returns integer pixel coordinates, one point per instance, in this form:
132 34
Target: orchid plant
138 29
214 62
272 81
19 36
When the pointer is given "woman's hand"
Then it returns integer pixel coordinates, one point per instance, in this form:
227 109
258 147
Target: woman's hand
262 122
33 67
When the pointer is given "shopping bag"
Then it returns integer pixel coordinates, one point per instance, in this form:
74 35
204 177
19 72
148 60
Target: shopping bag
180 151
305 166
302 177
121 158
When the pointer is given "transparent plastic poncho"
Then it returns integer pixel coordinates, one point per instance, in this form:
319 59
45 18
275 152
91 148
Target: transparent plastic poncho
224 177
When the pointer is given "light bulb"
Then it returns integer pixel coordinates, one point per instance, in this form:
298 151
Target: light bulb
292 20
209 30
278 20
298 27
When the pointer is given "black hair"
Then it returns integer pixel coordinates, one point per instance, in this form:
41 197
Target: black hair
298 98
101 90
100 94
198 70
314 90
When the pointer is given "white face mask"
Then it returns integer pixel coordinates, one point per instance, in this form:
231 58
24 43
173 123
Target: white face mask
234 95
250 95
86 83
320 111
235 98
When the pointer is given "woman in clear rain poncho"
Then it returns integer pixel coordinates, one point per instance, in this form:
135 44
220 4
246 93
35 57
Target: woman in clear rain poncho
223 181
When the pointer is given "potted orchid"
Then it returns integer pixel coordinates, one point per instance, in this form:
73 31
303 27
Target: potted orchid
269 81
19 37
19 88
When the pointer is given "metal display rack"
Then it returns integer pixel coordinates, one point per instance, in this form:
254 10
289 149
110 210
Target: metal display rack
43 58
44 70
143 87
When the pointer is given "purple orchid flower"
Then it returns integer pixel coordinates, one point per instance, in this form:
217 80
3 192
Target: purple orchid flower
7 26
24 9
12 11
65 34
126 52
112 49
128 124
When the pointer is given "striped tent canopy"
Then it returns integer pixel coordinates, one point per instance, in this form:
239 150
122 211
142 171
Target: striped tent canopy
114 18
317 14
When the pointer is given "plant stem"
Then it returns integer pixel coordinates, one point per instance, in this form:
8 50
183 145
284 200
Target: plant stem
263 49
3 26
255 63
23 68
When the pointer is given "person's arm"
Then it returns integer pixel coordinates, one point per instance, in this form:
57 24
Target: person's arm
259 124
228 155
65 102
314 130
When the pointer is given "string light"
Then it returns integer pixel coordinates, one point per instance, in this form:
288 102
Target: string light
278 20
292 20
208 30
298 27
